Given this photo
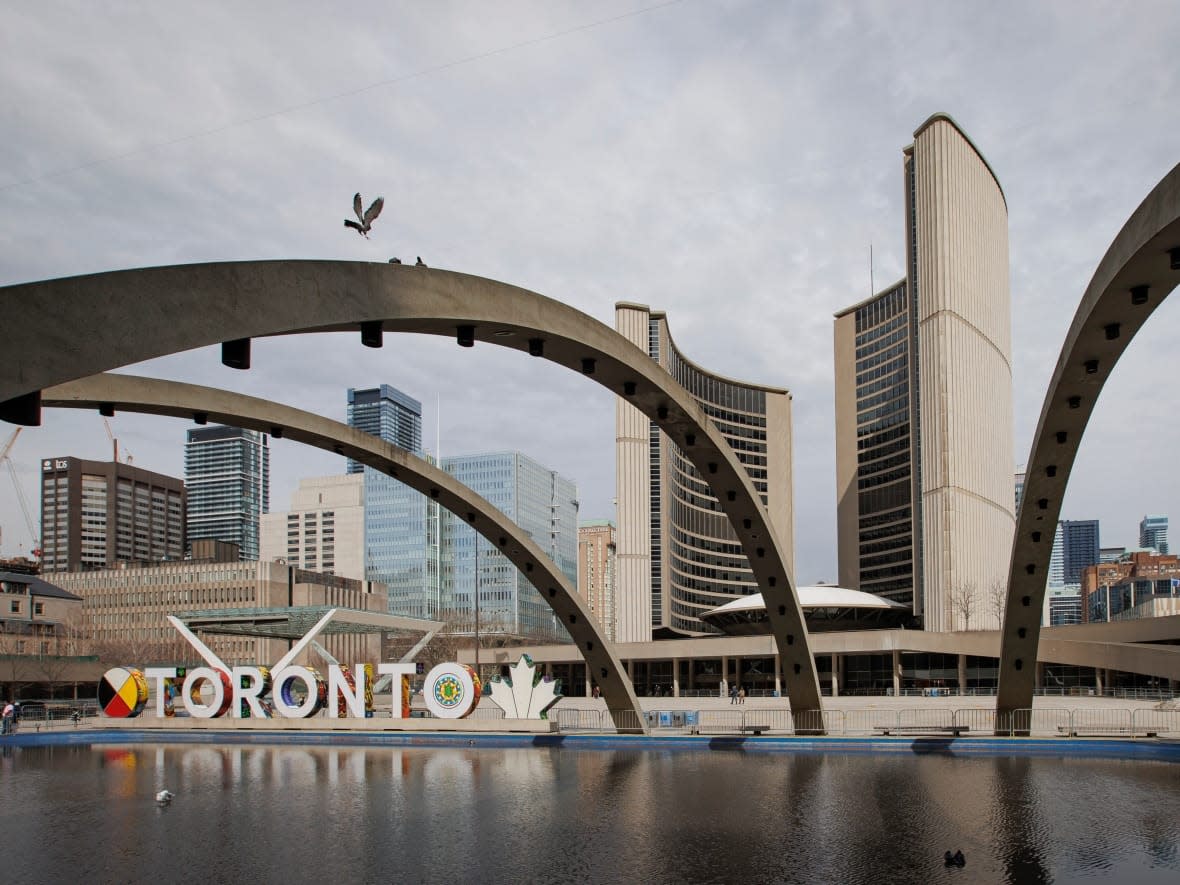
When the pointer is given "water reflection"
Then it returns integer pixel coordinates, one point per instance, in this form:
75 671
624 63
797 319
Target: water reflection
463 815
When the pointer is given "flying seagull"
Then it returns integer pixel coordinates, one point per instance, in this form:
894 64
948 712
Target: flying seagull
366 218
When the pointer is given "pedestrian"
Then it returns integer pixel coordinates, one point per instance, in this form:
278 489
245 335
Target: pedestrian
9 713
597 692
742 695
733 694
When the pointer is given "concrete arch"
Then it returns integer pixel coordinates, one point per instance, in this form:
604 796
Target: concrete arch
1139 270
131 393
64 329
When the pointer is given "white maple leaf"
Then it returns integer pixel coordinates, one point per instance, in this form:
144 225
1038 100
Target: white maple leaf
523 694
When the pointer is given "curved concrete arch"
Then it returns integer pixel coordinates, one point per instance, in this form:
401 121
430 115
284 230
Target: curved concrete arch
1139 270
131 393
69 328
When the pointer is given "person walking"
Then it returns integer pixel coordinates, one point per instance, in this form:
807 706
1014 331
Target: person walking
742 695
733 694
9 714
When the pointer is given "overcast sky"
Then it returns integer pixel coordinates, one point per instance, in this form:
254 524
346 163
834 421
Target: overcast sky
729 163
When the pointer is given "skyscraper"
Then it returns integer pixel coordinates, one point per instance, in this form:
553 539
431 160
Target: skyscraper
677 555
324 531
97 513
388 414
1153 533
540 501
227 472
1079 546
400 524
924 468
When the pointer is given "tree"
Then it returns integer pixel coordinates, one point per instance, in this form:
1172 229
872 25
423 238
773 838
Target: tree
963 599
997 600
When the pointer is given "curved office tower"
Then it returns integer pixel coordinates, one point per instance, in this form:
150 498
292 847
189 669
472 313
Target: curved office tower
676 554
924 461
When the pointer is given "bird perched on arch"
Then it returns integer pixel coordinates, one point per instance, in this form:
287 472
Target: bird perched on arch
364 219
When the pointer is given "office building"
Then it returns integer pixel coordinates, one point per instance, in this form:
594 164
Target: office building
677 555
324 529
227 473
1057 559
1111 554
1143 584
1079 546
1062 606
126 609
400 524
386 413
1153 533
596 572
540 501
924 467
97 513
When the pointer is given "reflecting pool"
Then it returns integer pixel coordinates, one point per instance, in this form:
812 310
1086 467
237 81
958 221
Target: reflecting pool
308 814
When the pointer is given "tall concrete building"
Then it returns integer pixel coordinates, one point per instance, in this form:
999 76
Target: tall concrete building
324 529
677 555
924 467
1153 533
97 513
227 472
596 572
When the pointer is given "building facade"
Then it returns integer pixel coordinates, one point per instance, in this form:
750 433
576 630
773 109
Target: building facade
97 513
677 555
125 610
1143 584
400 525
324 529
1153 533
386 413
227 473
540 501
923 392
596 572
1080 547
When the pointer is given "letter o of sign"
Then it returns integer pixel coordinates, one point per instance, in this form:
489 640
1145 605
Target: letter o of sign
284 701
451 691
222 697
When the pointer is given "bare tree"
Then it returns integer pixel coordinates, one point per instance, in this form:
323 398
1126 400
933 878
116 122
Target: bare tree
963 602
997 600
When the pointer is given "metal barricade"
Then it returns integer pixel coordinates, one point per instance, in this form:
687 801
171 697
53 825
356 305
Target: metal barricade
622 722
575 719
1156 723
1100 722
975 719
925 717
720 721
765 720
818 722
870 721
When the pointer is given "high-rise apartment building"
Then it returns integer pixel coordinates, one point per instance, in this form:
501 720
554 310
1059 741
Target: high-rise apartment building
97 513
324 530
1079 547
596 572
924 465
1153 533
677 555
227 472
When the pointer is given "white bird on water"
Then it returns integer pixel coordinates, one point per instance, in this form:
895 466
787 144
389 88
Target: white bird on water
164 797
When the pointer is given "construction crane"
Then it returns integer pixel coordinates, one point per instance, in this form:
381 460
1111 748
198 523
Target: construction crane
20 493
115 444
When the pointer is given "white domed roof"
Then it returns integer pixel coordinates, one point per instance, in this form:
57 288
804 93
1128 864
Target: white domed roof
821 596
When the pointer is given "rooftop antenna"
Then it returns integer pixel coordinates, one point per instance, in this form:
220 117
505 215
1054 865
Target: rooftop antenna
872 284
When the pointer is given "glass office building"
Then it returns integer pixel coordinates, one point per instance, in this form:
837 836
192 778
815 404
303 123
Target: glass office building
1153 533
227 474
